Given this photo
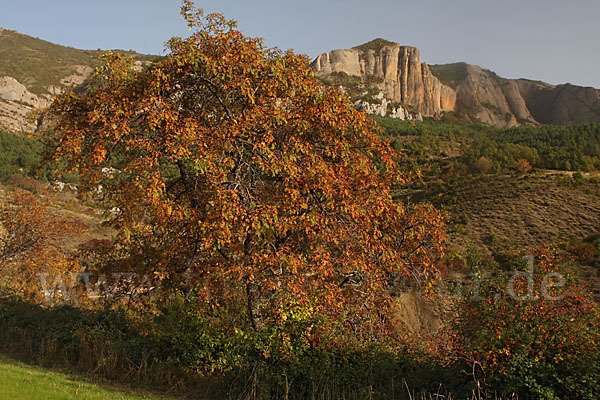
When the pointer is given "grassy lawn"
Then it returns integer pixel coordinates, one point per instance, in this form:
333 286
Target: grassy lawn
20 381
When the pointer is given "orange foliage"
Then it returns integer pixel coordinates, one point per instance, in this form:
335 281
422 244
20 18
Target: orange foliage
279 191
541 325
523 165
30 245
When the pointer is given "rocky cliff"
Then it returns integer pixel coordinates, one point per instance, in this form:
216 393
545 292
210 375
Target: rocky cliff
561 104
33 71
20 109
397 72
381 77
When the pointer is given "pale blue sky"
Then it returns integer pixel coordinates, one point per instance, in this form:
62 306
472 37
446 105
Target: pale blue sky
557 41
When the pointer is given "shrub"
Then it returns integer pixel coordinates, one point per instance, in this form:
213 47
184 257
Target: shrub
536 344
578 178
483 165
27 183
585 252
189 350
31 240
523 165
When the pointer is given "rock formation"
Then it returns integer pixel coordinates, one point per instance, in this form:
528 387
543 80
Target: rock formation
381 77
20 109
18 106
398 73
383 107
479 94
561 104
33 72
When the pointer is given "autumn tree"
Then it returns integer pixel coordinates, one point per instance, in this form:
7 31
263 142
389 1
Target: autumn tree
31 246
523 165
230 165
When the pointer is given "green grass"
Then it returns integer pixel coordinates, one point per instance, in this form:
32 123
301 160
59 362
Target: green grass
19 381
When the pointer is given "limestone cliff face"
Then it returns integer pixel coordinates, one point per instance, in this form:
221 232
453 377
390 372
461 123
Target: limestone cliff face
33 72
18 106
491 99
561 104
507 102
397 71
20 109
480 94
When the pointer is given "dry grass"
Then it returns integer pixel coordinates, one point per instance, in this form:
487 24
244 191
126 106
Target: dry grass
518 213
66 204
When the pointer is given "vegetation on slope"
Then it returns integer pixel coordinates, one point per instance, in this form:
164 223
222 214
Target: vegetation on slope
450 74
19 155
38 64
375 45
22 157
565 148
506 189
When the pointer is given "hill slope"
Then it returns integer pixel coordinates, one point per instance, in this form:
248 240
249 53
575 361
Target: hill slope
32 71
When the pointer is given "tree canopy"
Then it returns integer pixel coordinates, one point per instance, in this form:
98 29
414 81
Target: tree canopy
229 163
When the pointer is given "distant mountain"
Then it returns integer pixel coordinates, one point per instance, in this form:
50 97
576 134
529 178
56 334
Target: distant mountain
381 77
385 71
33 71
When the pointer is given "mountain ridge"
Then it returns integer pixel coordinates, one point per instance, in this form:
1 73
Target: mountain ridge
398 73
33 71
380 76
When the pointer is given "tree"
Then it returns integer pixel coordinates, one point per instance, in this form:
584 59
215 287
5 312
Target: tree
523 165
30 245
230 164
483 165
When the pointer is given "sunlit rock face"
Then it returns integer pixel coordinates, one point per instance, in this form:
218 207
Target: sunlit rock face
404 78
397 72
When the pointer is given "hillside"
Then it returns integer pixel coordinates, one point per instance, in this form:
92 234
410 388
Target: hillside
381 77
220 226
32 71
475 93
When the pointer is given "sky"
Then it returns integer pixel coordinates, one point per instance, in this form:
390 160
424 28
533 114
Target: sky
556 41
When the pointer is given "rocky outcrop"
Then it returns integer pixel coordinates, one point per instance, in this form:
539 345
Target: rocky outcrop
81 73
20 109
491 99
383 107
561 104
396 71
479 94
11 89
18 106
34 71
17 117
